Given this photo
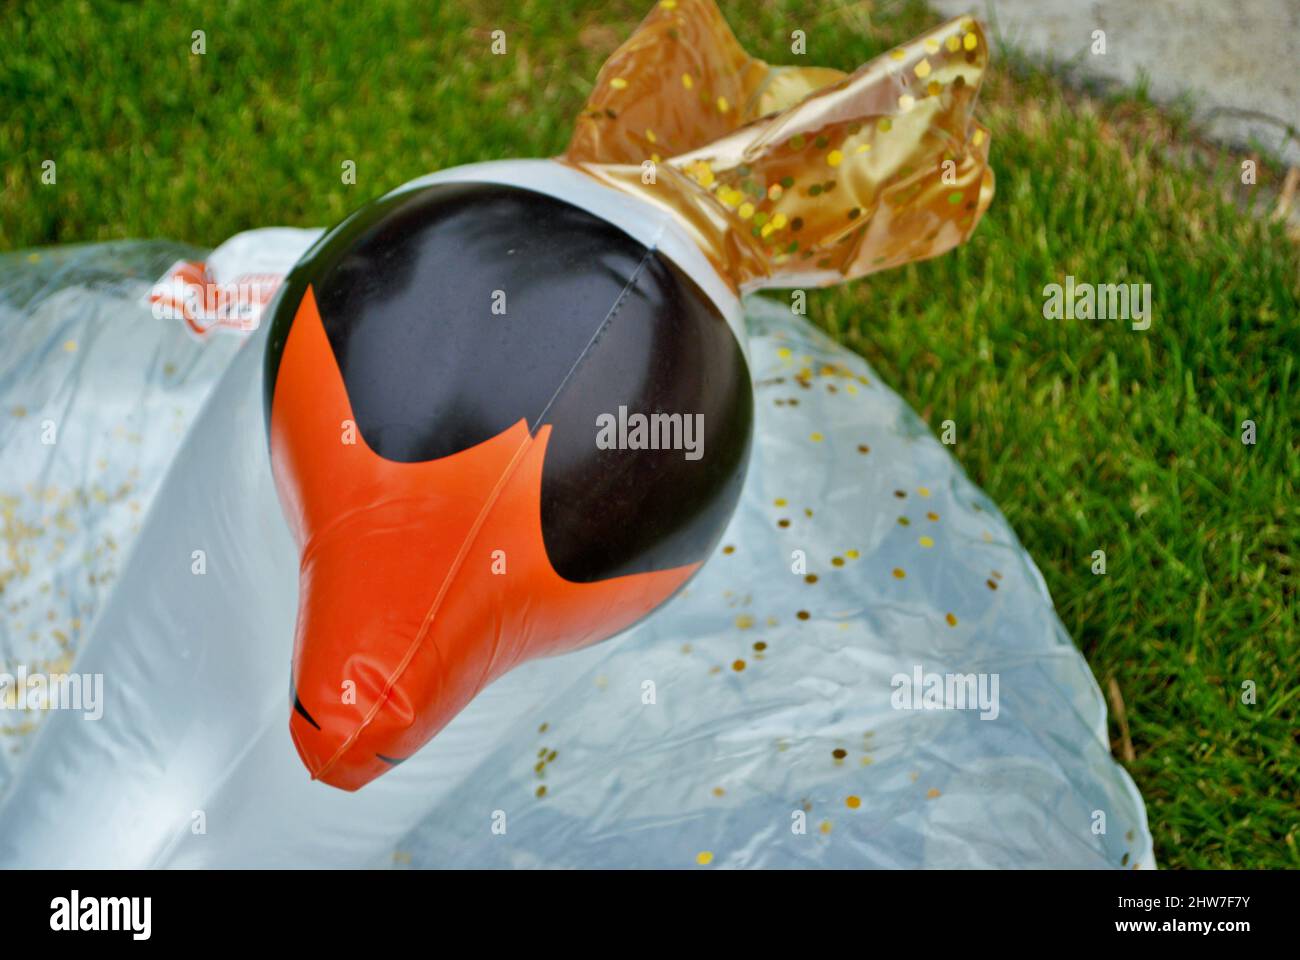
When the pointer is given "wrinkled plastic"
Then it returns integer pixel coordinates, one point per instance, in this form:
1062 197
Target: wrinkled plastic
95 397
793 176
750 722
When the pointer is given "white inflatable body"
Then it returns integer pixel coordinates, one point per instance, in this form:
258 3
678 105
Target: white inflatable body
765 717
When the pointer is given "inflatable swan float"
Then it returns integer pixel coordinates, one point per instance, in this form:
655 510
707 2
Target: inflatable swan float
383 511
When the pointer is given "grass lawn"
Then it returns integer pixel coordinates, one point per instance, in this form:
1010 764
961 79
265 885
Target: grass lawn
1090 436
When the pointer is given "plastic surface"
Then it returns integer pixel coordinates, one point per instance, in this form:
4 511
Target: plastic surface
459 506
95 398
866 671
445 366
793 176
190 764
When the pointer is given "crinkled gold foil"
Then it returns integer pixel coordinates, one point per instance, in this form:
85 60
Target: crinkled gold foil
793 176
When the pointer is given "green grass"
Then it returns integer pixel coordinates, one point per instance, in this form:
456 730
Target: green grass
1088 434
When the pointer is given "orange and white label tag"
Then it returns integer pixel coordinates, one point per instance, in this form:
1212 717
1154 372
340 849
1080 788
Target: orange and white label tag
189 293
230 290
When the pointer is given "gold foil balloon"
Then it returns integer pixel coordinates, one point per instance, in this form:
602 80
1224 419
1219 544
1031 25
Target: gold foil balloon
793 176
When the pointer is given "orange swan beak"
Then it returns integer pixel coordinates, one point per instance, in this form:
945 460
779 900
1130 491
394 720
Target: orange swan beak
420 583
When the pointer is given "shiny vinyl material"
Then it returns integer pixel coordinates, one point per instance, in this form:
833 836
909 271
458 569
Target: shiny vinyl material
439 463
793 176
424 576
865 670
714 767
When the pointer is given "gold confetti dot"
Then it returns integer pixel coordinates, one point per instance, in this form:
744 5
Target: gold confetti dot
852 802
978 138
543 728
668 4
744 621
704 858
723 105
970 41
953 43
702 173
839 753
738 665
931 515
687 81
884 125
931 44
780 502
810 578
922 69
746 210
816 437
650 135
952 620
618 83
923 491
719 792
899 573
852 554
837 561
932 793
835 158
899 54
70 346
825 826
541 791
926 542
934 88
803 614
760 646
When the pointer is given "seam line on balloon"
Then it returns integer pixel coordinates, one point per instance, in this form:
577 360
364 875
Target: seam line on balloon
632 281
